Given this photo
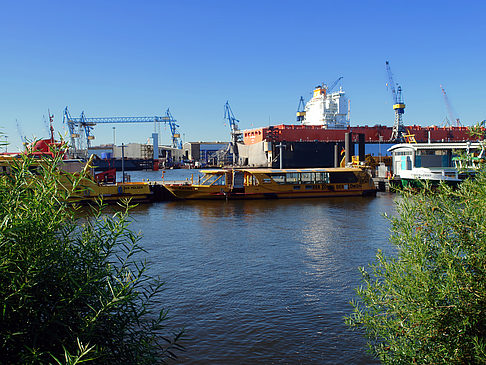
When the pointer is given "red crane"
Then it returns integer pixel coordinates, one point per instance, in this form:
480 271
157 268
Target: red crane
450 110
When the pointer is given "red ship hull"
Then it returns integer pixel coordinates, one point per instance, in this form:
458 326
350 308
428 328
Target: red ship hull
296 133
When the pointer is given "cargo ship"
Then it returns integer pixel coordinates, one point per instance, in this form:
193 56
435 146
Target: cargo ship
323 124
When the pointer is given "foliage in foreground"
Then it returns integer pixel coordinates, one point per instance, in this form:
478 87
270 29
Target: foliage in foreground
72 291
427 305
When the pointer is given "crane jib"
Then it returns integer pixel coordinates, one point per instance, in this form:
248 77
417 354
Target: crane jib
83 126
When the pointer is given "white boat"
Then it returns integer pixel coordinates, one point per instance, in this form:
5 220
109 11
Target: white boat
435 162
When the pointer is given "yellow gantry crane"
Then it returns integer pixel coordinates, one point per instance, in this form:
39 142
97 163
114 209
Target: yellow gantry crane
399 107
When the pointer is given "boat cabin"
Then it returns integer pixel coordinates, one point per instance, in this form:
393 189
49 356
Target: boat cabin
407 156
448 162
247 177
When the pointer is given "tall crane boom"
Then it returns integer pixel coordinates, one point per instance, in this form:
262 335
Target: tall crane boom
398 107
450 110
334 84
236 134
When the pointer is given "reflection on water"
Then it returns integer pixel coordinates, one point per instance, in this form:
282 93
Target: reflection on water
264 281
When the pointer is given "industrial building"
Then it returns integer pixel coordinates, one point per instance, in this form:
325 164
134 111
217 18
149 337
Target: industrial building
208 153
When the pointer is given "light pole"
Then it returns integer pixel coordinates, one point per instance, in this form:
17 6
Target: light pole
114 136
281 146
380 139
123 162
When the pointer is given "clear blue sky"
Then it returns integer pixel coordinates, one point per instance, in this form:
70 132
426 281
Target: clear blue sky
127 58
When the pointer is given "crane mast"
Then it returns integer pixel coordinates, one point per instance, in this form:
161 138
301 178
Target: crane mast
398 107
236 134
176 136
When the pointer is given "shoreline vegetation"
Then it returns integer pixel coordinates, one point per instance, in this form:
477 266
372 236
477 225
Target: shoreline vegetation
73 290
427 303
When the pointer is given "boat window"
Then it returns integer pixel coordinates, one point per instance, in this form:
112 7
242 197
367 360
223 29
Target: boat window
404 153
293 177
338 177
322 177
278 178
307 177
250 179
202 180
238 179
435 161
431 152
215 179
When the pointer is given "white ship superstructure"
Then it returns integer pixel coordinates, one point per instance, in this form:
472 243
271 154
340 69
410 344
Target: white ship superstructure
328 110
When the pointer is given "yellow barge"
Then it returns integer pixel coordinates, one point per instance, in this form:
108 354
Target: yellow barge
247 183
90 189
87 188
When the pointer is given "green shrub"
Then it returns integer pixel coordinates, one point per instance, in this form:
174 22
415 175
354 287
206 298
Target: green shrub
72 289
427 303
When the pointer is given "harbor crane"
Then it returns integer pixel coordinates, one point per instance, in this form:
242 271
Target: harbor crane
80 129
450 110
301 110
236 134
398 106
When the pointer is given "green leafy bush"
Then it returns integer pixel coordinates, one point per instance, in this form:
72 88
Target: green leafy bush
72 289
427 304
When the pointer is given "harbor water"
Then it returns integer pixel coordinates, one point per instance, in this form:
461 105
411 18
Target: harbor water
263 282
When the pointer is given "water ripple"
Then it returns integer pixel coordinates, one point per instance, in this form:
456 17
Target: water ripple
264 282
